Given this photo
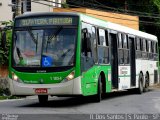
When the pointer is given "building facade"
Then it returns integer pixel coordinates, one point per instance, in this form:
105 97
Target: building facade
8 7
45 6
5 10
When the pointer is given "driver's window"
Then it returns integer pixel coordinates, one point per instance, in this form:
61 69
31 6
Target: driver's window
87 60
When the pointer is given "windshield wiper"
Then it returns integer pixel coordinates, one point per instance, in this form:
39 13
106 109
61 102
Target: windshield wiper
54 35
33 38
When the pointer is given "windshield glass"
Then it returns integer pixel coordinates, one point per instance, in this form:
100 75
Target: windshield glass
51 47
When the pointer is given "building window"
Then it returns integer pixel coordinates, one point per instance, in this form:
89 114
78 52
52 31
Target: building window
28 5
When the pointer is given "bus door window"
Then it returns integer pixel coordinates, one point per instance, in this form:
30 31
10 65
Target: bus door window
131 40
103 50
87 61
120 49
114 58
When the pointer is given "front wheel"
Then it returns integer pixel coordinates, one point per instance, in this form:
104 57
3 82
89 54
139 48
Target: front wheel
43 99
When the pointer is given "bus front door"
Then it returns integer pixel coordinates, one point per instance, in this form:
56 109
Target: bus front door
114 59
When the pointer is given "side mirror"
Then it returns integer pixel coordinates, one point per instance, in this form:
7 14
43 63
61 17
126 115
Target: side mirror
86 41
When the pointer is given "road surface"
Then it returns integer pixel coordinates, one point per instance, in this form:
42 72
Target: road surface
116 103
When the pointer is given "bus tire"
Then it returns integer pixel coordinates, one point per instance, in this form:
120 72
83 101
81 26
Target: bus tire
43 99
98 96
140 87
146 83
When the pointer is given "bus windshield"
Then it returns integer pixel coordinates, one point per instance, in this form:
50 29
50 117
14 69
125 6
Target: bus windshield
44 47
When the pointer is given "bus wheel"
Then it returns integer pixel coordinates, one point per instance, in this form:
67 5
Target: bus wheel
97 97
43 99
140 88
146 83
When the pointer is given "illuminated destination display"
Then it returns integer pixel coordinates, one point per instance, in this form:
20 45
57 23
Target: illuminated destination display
46 21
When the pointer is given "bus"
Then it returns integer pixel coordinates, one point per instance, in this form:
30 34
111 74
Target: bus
72 54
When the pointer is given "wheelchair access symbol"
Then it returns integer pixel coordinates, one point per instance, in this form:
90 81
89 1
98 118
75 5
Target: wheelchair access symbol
47 61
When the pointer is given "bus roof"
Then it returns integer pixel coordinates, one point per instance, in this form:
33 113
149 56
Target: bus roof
32 14
96 21
117 27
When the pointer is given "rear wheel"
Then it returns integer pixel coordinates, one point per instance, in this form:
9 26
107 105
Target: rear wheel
140 88
43 99
98 96
146 83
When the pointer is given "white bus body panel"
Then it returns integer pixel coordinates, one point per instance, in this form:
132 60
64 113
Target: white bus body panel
124 77
145 66
72 87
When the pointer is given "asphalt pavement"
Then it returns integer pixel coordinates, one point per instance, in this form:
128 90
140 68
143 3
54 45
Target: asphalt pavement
126 102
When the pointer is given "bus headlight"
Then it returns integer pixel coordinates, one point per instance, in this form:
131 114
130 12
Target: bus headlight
69 77
15 78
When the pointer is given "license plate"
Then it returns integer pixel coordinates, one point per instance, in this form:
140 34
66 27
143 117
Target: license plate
41 90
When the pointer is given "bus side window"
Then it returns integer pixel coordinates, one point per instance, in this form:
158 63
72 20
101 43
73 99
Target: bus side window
155 50
150 50
94 44
87 61
138 48
102 37
106 53
141 44
120 41
138 44
107 40
152 46
144 45
149 46
120 49
156 47
147 49
126 49
125 41
103 53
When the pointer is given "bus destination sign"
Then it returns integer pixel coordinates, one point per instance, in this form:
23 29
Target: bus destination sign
45 21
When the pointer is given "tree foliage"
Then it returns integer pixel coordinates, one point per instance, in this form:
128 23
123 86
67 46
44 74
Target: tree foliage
147 10
150 13
4 49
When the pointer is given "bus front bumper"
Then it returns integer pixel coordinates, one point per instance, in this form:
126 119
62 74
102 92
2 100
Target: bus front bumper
72 87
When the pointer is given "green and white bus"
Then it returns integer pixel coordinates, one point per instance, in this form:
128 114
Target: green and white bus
69 54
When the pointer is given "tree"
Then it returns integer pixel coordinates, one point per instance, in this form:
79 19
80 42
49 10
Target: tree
150 12
147 10
5 33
